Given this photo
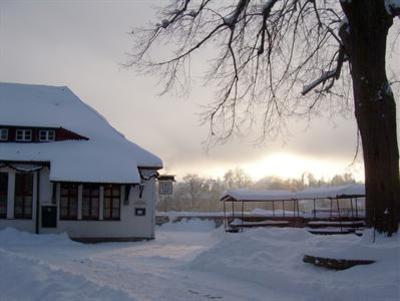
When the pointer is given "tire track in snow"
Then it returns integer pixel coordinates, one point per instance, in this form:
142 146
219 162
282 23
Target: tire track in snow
28 276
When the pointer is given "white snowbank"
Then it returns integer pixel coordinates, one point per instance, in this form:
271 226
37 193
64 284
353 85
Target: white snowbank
191 225
273 258
191 261
13 237
25 277
238 222
42 282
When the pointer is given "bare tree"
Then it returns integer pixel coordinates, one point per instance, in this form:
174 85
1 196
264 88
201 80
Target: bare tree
269 52
236 178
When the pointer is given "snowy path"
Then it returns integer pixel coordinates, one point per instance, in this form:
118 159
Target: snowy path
197 263
154 270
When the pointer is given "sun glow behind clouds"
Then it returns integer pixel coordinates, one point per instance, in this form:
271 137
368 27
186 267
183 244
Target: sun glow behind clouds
287 165
283 165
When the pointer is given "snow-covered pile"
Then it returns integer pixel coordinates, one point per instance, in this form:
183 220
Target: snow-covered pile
273 258
106 157
193 261
189 225
25 277
13 237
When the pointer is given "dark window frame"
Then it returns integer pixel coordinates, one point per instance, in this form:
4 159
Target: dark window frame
113 198
47 136
23 194
89 195
71 192
4 194
5 137
24 135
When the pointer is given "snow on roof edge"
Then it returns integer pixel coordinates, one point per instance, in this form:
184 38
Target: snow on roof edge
307 193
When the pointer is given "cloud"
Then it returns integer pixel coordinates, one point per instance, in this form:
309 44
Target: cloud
82 45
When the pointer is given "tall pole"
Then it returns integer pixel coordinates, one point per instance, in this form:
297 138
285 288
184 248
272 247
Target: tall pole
315 212
340 220
242 214
273 208
37 201
356 208
225 221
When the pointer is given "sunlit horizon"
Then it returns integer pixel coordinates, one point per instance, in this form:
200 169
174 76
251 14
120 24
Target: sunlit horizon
281 164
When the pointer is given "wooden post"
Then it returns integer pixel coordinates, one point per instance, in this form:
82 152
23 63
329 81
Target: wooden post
242 215
273 208
352 209
330 213
315 213
298 208
37 197
356 208
225 221
294 207
283 207
340 220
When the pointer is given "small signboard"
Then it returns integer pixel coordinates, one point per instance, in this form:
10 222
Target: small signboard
165 187
165 184
140 211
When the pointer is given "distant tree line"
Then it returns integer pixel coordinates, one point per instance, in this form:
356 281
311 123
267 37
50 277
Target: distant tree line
195 193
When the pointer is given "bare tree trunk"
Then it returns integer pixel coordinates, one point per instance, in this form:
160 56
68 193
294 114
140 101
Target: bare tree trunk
375 109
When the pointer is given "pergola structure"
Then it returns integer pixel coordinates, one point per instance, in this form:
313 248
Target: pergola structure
312 194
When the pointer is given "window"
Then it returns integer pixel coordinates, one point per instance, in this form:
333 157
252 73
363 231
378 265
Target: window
3 194
3 134
69 201
112 202
23 135
23 195
90 201
46 135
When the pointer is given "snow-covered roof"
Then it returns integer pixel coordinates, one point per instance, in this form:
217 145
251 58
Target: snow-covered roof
331 192
254 196
326 192
107 157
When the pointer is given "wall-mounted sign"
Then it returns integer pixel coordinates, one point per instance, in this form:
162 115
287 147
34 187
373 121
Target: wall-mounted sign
140 211
165 184
165 187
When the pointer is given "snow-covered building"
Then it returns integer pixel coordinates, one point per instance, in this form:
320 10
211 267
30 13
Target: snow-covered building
64 168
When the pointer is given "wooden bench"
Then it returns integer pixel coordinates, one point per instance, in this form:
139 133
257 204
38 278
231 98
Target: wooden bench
335 264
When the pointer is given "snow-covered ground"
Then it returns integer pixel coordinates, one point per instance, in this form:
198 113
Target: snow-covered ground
325 213
193 261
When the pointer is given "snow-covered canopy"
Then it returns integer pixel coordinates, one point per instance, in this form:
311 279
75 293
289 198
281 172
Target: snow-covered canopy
326 192
344 191
256 196
107 157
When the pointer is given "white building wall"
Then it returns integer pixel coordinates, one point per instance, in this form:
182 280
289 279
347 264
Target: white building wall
45 187
129 225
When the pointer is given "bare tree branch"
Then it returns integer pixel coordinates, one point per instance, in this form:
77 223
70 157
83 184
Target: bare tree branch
262 51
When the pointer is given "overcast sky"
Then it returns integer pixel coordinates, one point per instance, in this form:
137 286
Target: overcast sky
81 44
